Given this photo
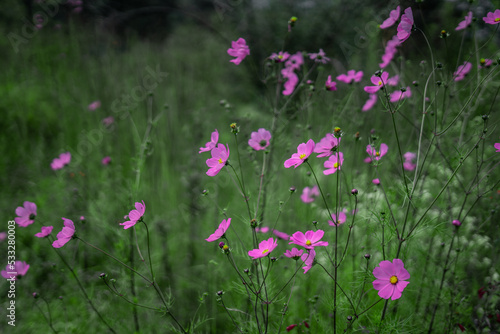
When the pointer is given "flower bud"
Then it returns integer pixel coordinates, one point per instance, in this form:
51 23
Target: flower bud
102 276
35 295
367 256
456 222
354 191
234 128
221 244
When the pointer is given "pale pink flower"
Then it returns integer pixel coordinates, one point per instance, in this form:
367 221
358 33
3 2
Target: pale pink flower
393 17
214 139
94 105
319 57
14 272
378 81
462 71
26 213
265 248
108 121
259 140
3 236
294 253
46 230
220 231
308 259
134 215
399 95
329 84
333 163
374 154
61 161
106 161
352 76
391 279
309 194
309 240
327 146
304 150
280 57
65 235
220 154
370 102
406 25
281 235
263 229
465 23
238 49
492 17
335 222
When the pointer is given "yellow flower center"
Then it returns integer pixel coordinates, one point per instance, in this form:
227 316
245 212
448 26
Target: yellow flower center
265 251
308 242
377 154
280 56
394 279
380 83
302 156
336 165
497 19
220 160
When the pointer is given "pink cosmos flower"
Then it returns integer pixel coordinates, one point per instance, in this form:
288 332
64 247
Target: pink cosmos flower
295 61
16 271
465 23
26 213
352 76
376 182
406 25
333 163
304 150
61 161
220 154
462 71
329 84
319 57
378 82
340 221
369 103
219 232
391 279
291 81
393 81
393 17
3 236
263 229
94 105
214 138
309 194
497 147
485 63
374 154
106 161
294 253
259 140
390 51
280 57
46 230
82 218
281 235
265 248
108 121
134 215
408 164
65 235
456 222
327 146
308 240
399 95
238 49
492 17
308 259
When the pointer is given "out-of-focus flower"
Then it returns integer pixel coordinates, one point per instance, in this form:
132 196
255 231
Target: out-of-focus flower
106 161
400 95
393 17
309 194
26 213
319 57
238 49
46 230
61 161
135 215
351 76
94 105
370 102
462 71
259 140
492 17
16 271
406 25
65 235
465 23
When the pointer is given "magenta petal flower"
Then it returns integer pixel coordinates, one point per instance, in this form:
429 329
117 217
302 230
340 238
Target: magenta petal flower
263 229
374 154
393 81
378 82
26 213
492 17
393 17
352 76
391 279
309 194
220 154
294 253
259 140
399 95
335 221
219 232
295 61
265 248
309 240
94 105
238 49
308 259
106 161
280 57
214 138
462 71
327 146
13 272
330 85
376 182
406 25
46 230
281 235
135 215
370 102
291 82
304 150
61 161
456 222
65 235
497 147
465 23
319 57
333 163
